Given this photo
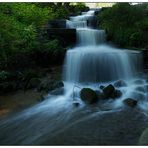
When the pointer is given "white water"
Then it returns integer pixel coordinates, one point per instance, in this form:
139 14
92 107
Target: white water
89 64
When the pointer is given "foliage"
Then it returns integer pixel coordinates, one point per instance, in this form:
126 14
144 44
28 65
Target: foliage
52 52
20 33
125 24
4 75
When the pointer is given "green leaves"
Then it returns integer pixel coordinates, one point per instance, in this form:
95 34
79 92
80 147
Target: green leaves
126 24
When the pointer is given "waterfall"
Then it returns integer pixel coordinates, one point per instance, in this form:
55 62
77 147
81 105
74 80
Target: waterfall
93 61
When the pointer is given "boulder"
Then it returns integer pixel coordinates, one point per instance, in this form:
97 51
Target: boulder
88 95
67 36
116 94
143 140
137 95
130 102
120 83
49 85
100 95
108 90
58 91
58 84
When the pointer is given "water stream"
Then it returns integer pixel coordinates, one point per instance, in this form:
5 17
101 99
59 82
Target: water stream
90 63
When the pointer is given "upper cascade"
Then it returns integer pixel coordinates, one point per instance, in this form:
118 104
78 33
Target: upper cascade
85 34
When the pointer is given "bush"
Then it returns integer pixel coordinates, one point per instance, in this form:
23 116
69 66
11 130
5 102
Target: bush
52 53
126 24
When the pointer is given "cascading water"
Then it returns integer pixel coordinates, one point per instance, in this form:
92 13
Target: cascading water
90 64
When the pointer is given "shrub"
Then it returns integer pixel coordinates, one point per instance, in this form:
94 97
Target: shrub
126 24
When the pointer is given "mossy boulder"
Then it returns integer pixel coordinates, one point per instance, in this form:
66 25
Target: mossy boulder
88 95
130 102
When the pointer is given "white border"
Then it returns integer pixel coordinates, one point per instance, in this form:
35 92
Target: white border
91 1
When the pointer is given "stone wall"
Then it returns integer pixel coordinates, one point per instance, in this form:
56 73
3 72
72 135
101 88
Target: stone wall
66 36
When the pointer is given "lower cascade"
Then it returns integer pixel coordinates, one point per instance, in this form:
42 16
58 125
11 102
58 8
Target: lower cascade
90 64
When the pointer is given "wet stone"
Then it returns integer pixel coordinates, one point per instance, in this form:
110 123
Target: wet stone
120 83
130 102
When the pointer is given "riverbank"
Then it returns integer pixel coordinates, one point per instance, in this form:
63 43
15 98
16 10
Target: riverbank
31 91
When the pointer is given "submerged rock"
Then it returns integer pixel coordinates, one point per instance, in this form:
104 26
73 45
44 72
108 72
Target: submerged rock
137 95
88 95
130 102
58 91
141 89
138 81
120 83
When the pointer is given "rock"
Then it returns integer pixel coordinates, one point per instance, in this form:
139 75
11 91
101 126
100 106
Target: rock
116 94
130 102
141 89
100 95
58 91
137 95
143 140
76 104
88 95
48 85
101 86
120 83
67 35
58 84
109 90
